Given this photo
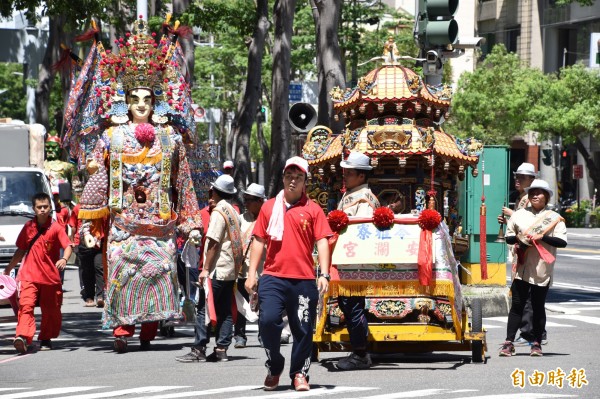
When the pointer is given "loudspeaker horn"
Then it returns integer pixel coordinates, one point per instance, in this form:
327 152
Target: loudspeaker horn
302 117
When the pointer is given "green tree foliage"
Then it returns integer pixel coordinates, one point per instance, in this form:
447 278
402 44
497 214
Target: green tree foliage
364 30
570 105
12 97
493 102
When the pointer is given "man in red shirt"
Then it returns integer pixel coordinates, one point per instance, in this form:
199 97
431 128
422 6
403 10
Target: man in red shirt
289 225
39 243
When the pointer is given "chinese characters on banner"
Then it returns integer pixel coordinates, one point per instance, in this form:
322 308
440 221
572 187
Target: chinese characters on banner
363 243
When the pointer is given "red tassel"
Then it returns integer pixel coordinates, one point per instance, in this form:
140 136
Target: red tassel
425 258
63 65
88 35
210 303
234 309
184 32
483 240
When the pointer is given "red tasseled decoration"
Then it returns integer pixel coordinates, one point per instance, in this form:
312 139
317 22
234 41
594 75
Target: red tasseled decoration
429 219
88 35
338 220
167 29
383 218
63 65
184 32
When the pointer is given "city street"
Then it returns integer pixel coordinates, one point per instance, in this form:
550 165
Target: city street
83 364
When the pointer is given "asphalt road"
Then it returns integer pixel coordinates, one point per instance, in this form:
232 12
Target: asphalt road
83 365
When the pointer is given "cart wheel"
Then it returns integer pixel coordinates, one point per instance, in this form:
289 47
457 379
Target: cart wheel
314 356
476 326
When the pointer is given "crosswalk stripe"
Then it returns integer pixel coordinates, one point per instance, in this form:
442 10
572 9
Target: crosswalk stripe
312 392
46 392
520 396
412 394
203 393
504 320
585 319
581 303
130 391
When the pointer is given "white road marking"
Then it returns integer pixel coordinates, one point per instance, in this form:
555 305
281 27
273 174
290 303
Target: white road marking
122 392
312 392
47 392
203 393
410 394
521 396
585 319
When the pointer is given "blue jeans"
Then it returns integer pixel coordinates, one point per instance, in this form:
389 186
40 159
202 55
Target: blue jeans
299 299
356 320
222 297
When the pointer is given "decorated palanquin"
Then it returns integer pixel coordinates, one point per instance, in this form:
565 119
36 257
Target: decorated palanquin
407 271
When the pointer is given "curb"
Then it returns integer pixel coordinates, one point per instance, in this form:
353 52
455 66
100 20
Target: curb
495 300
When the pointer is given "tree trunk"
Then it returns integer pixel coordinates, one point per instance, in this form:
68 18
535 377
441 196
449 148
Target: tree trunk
187 43
242 125
329 59
593 170
56 35
283 19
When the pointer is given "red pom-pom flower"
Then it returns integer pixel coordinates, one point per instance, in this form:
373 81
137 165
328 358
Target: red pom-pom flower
429 219
338 220
383 218
144 133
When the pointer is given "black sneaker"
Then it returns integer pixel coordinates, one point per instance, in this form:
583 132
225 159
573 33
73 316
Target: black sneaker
195 355
218 356
45 345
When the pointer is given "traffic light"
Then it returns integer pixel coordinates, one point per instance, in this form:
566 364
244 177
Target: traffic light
564 155
435 24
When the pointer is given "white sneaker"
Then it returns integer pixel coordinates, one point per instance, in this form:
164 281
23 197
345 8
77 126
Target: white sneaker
354 362
521 342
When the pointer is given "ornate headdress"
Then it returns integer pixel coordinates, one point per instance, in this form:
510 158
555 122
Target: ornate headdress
98 92
141 62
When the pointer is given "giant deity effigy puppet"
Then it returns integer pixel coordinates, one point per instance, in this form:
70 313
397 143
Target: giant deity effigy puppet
128 119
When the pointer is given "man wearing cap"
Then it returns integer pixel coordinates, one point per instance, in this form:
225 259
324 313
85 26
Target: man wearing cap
358 200
524 176
254 197
536 232
289 225
223 257
228 168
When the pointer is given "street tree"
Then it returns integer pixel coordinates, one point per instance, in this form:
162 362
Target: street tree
569 107
493 102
